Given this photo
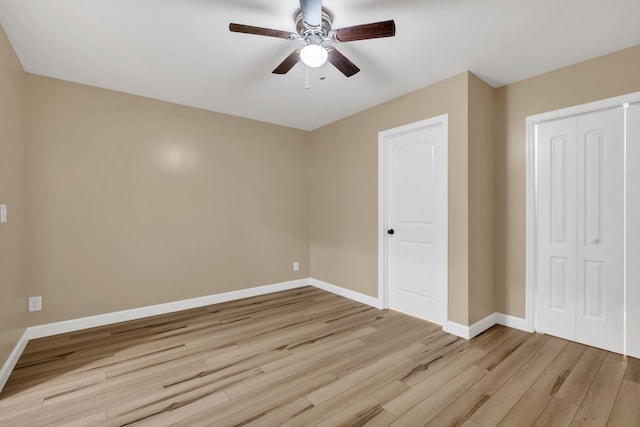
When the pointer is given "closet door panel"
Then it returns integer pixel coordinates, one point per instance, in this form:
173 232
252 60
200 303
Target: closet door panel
556 272
600 229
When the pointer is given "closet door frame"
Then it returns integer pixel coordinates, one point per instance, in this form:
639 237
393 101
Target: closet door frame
532 195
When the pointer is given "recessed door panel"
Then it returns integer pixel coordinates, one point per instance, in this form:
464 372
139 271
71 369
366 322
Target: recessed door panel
415 165
593 186
594 290
558 188
558 284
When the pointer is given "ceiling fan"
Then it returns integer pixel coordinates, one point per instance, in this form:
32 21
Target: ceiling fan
313 26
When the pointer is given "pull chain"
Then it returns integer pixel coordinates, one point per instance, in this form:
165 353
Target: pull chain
307 86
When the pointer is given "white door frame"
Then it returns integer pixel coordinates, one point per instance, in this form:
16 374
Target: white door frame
383 170
531 280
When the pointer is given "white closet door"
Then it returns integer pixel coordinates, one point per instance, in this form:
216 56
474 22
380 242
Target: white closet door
556 307
581 228
600 229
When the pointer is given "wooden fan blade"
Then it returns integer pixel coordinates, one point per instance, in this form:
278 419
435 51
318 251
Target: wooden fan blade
311 12
341 62
259 31
288 63
366 31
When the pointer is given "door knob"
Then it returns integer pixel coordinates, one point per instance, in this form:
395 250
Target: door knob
390 231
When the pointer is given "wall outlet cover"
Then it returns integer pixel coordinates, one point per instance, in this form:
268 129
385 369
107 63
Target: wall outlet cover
35 303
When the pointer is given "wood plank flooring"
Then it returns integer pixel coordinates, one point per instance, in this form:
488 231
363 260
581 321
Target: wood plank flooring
306 357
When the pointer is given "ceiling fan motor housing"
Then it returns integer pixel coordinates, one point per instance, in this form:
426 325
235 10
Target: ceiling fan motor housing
304 29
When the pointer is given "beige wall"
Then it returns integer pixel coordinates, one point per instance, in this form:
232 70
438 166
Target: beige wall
13 292
600 78
134 202
343 169
481 200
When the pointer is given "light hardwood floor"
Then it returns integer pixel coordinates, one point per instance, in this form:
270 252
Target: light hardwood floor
305 357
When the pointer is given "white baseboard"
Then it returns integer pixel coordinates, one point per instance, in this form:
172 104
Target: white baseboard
73 325
513 322
8 366
457 329
347 293
468 332
483 324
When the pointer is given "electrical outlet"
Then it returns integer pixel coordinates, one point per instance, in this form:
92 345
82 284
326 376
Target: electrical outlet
35 303
296 266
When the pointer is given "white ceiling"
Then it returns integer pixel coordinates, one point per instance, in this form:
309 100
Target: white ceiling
182 51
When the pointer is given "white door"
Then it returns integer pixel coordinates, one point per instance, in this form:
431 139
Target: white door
581 228
600 245
556 145
416 218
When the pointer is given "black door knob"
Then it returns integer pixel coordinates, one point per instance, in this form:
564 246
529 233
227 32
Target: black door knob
390 231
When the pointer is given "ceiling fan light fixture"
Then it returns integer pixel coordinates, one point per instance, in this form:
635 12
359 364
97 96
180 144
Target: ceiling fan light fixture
314 27
314 55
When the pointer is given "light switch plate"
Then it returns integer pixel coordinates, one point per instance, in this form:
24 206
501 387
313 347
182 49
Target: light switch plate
3 213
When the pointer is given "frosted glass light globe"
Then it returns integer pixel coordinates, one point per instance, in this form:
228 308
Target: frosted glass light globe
313 55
